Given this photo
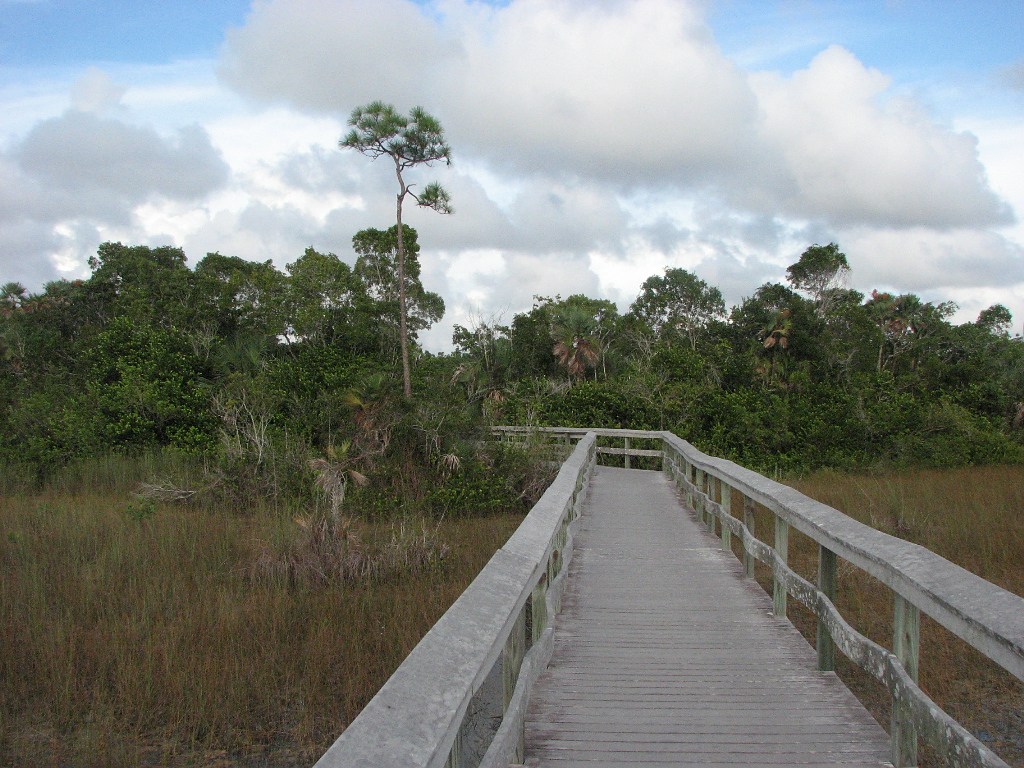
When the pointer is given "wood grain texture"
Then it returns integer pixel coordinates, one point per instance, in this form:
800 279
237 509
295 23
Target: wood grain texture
666 655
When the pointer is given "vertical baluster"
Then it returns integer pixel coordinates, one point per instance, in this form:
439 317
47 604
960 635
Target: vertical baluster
696 497
906 643
511 662
748 520
827 585
725 499
782 550
539 609
625 442
709 494
702 486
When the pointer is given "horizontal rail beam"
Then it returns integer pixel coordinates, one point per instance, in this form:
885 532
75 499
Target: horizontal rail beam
982 614
923 716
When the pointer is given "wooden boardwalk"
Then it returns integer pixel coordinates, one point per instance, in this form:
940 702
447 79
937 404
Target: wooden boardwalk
665 655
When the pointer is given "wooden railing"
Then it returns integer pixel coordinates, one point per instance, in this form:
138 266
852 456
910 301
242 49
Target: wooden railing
987 617
476 666
430 712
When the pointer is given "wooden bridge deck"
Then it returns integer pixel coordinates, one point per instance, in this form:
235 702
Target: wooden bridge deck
665 655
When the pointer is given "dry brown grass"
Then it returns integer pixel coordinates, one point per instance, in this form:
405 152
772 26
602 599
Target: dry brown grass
139 636
973 517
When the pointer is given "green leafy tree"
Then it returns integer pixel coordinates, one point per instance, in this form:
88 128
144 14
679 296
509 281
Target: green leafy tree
821 272
378 130
240 297
323 300
997 320
678 303
145 383
377 266
151 285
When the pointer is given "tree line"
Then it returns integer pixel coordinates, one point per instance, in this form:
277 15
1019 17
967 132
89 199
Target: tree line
236 358
797 376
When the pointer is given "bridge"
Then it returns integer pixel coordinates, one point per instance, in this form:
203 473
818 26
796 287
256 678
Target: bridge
615 627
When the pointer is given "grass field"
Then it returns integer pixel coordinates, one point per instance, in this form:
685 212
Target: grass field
145 634
134 633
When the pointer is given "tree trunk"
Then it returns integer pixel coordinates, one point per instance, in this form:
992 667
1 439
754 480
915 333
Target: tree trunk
403 335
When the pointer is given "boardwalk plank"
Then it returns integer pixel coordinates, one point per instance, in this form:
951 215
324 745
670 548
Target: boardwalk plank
665 655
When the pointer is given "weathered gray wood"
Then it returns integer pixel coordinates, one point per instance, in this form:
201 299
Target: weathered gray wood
827 587
625 445
725 499
417 717
906 645
666 655
986 616
609 451
947 737
748 520
782 553
439 733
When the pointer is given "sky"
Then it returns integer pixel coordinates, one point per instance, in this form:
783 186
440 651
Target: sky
594 142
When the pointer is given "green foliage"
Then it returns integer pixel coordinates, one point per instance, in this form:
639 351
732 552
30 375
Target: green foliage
257 371
145 383
140 510
594 404
678 304
820 272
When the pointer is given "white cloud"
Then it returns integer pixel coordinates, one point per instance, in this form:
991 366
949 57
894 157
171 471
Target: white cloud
85 154
596 142
627 93
921 259
849 157
96 92
329 55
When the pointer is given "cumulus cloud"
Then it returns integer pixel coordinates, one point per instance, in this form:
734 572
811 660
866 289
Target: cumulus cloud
626 93
849 158
623 91
922 259
96 92
329 55
77 174
86 154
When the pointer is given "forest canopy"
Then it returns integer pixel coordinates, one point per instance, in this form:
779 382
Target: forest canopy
234 359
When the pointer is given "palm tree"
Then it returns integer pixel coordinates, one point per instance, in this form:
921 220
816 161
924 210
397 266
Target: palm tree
577 346
775 336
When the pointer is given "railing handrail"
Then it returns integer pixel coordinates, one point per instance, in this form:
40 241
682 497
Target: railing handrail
419 717
416 717
983 614
986 616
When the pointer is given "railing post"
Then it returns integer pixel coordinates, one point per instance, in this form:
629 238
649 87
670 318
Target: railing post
511 662
748 521
725 499
827 586
625 441
698 484
782 551
539 609
906 643
706 486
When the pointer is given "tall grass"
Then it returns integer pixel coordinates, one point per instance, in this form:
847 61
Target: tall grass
973 517
136 632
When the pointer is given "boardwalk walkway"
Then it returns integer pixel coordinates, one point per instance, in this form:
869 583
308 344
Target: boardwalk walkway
665 655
